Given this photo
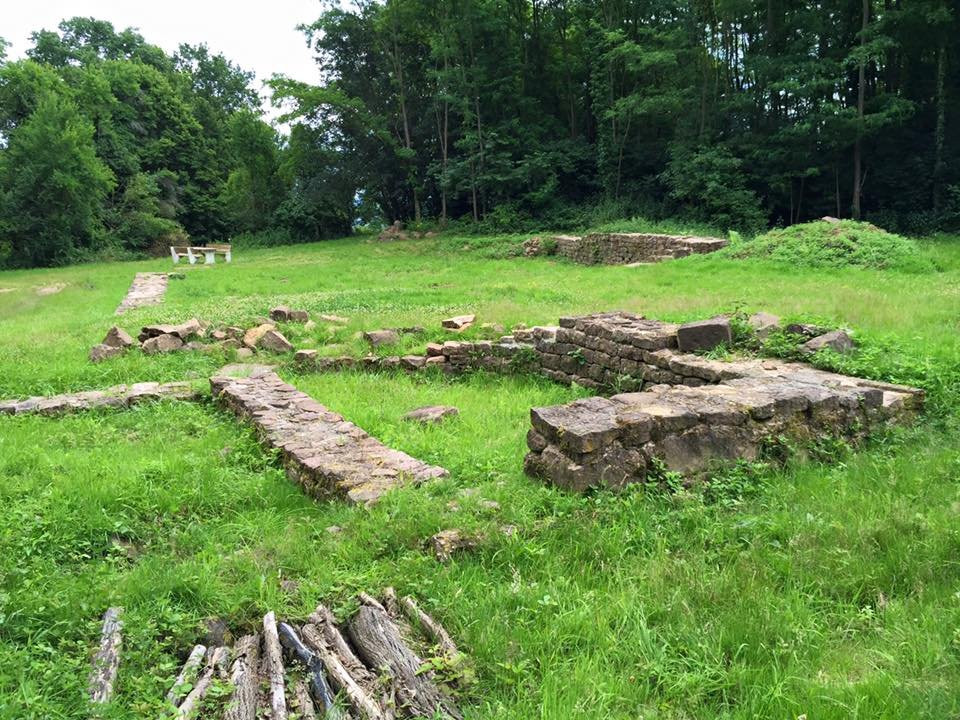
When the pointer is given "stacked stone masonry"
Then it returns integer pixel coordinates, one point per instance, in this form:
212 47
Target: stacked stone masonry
694 413
146 289
321 451
121 396
625 248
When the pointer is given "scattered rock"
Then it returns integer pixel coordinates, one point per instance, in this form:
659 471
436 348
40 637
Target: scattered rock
244 353
495 328
218 335
161 344
837 340
459 322
431 413
230 344
336 319
446 542
274 341
299 316
305 358
763 323
117 338
704 335
830 219
184 330
434 350
280 314
102 351
251 338
377 338
490 504
810 331
234 333
290 587
334 529
394 232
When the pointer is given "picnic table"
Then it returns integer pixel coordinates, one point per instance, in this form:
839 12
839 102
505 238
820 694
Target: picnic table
192 252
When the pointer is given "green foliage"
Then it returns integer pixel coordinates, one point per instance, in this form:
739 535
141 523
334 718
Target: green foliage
51 187
824 244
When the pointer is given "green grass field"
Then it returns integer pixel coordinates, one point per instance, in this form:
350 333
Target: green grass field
827 589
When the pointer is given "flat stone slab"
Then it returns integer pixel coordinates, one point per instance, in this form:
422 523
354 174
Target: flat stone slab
146 289
119 396
321 451
431 414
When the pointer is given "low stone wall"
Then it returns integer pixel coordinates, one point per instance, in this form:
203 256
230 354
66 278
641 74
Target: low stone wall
321 451
694 412
120 396
625 248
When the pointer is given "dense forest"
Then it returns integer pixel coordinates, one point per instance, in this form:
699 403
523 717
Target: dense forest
494 114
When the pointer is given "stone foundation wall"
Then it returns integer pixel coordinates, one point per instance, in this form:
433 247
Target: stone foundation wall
624 248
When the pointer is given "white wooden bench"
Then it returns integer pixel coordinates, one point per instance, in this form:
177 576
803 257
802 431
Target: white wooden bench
209 253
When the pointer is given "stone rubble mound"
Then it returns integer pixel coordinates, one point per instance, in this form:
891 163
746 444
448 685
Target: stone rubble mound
321 451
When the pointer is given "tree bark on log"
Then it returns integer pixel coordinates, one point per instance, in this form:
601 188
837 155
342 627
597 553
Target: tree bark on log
434 630
107 660
216 664
188 674
319 688
326 623
340 676
301 697
380 645
274 667
244 677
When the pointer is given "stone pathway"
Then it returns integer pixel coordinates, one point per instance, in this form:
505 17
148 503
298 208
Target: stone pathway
120 396
146 289
321 451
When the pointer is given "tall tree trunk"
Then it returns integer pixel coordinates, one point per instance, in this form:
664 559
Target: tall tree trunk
941 130
402 96
861 97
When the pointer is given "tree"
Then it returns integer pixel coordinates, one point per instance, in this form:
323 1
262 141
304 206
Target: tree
52 186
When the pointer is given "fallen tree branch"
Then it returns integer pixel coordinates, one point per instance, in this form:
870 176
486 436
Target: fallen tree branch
380 645
431 627
243 701
188 673
217 660
319 688
274 667
107 660
341 678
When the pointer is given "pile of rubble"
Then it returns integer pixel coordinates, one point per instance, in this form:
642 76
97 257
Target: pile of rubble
377 665
621 248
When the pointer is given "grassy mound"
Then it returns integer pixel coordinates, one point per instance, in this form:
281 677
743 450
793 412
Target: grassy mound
829 244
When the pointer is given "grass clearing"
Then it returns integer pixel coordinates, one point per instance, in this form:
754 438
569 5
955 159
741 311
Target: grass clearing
831 590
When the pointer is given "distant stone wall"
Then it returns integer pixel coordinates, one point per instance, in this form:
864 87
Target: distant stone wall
625 248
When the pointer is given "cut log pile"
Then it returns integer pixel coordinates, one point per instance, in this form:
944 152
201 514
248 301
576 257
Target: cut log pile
376 666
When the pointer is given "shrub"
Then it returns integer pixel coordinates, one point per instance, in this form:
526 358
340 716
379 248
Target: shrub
835 244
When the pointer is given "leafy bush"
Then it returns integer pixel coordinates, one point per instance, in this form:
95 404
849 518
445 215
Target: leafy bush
828 244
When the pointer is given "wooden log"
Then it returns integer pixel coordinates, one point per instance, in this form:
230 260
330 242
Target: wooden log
274 667
434 630
217 659
327 624
188 674
380 645
301 697
341 678
370 601
319 688
107 660
244 678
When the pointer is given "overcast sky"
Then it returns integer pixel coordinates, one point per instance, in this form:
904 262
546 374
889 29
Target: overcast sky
257 36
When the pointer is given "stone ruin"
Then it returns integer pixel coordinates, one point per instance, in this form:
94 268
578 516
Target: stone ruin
693 413
148 288
622 248
321 451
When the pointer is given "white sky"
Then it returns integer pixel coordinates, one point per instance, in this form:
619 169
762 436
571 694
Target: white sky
257 36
